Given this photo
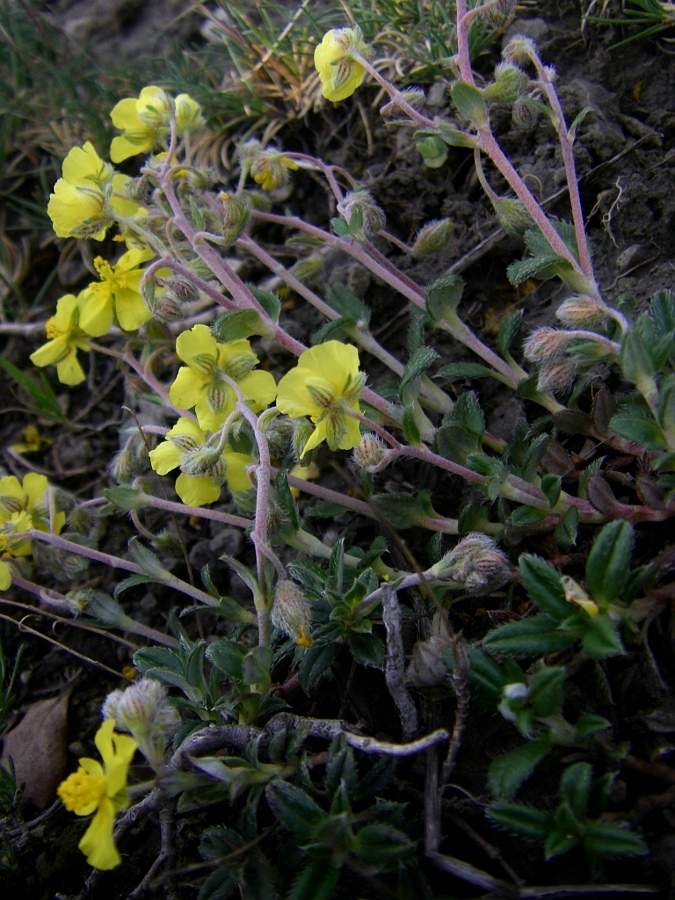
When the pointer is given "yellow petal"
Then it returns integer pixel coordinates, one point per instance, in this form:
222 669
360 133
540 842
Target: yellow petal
197 490
97 843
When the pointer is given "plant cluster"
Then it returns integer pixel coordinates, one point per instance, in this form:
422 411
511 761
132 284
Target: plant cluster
271 729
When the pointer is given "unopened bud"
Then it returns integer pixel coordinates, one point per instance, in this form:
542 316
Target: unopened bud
546 344
306 270
188 115
131 461
519 50
290 613
370 452
271 169
512 214
427 668
154 110
581 311
476 565
498 12
204 461
248 151
509 83
557 376
143 710
239 366
373 216
235 216
524 114
432 237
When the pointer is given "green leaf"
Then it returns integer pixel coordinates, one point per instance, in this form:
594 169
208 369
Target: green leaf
636 358
542 582
379 845
529 637
602 639
605 839
348 304
401 511
296 811
507 773
608 563
228 657
315 661
467 412
566 533
411 431
317 881
454 137
508 330
340 227
575 788
640 429
523 820
338 330
220 885
662 311
125 498
457 371
433 151
443 297
46 402
285 499
525 516
559 841
269 301
418 363
589 724
551 486
546 691
454 442
233 326
470 103
367 649
576 122
255 667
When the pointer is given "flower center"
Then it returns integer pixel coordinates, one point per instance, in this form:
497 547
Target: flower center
52 331
80 790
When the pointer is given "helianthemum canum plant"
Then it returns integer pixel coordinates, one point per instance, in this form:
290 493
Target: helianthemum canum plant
239 401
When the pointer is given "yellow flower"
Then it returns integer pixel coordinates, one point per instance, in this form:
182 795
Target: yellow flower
29 497
270 169
116 295
12 543
204 465
188 115
575 594
201 382
83 204
65 339
325 385
334 59
33 441
144 122
100 789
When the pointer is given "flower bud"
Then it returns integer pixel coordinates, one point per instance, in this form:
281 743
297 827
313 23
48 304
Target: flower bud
582 311
512 215
546 344
204 461
432 237
154 110
498 12
370 452
373 216
557 376
290 613
188 115
413 95
143 710
476 565
302 431
235 216
427 668
523 114
519 50
509 83
271 169
306 270
131 461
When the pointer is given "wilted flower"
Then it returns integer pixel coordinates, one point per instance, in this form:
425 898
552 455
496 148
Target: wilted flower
100 789
271 169
143 710
290 613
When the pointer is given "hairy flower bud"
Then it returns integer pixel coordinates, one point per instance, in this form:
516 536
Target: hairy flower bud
290 613
373 217
432 237
546 344
302 431
498 12
131 461
519 50
413 95
476 565
581 311
235 216
524 114
188 115
509 83
557 376
143 710
370 452
514 698
512 214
